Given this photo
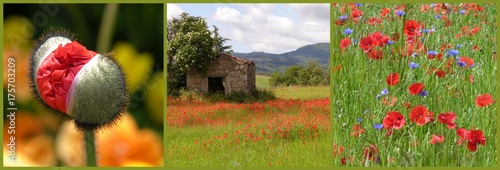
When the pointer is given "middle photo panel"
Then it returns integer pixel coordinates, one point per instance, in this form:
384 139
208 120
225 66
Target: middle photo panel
248 85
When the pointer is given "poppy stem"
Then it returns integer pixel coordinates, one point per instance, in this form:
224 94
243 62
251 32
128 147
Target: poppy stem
90 147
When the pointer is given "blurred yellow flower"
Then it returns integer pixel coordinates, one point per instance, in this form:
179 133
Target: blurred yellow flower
17 38
154 97
121 145
137 67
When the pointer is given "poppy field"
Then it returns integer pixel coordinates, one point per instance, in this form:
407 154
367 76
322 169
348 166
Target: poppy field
414 85
286 132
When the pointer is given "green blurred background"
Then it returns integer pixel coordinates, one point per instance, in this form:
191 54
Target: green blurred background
135 34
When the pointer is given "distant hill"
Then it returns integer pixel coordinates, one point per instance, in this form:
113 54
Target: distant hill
267 63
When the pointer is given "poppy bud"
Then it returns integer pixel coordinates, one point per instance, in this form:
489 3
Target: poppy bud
76 83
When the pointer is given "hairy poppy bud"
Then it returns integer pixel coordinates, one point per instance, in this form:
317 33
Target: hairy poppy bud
76 83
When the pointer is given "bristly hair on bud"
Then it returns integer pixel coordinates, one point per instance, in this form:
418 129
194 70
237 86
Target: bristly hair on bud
75 83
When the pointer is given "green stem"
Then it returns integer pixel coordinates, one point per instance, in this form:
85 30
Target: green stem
90 147
106 29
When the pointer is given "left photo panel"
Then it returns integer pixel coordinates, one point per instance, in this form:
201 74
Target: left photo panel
83 85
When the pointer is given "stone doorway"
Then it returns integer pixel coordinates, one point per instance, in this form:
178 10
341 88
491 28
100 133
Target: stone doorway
216 84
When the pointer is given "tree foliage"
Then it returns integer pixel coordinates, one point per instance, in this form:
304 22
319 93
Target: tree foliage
190 46
310 75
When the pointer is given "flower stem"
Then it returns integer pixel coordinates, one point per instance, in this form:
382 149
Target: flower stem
106 28
90 147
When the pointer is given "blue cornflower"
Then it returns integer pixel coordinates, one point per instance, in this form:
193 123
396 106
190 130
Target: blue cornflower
462 11
423 93
453 52
426 31
378 126
461 63
384 92
414 55
458 46
414 65
432 53
432 5
348 31
390 42
400 13
359 120
358 4
438 16
343 17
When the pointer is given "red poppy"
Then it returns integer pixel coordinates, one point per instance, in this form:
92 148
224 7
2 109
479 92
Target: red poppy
392 79
475 137
372 21
355 13
366 43
474 30
344 43
385 11
483 100
420 115
343 161
379 39
462 133
475 48
57 71
440 73
394 120
436 139
448 119
468 61
416 88
437 56
412 28
375 54
357 130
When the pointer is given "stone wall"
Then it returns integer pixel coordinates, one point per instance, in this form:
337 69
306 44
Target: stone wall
239 75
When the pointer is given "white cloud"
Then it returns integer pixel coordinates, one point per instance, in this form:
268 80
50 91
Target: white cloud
313 12
260 30
173 11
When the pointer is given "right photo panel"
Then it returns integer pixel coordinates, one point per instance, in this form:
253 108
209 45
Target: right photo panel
413 85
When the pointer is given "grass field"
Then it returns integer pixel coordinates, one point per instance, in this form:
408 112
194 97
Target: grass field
292 131
413 85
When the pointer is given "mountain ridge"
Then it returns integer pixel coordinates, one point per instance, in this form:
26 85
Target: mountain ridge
267 63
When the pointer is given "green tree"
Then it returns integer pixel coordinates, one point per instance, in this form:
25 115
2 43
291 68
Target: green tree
190 46
312 75
220 42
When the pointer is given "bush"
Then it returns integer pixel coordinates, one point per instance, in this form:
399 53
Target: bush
311 75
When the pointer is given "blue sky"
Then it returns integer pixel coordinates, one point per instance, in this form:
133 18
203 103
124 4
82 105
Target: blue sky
273 28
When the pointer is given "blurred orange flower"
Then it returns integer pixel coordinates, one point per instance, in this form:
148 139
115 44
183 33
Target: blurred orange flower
121 145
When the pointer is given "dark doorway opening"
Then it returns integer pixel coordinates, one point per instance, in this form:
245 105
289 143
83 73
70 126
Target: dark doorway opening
216 84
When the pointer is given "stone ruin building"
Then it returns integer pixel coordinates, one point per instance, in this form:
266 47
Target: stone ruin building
225 74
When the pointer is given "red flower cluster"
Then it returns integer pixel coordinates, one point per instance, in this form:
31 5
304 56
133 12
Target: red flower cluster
473 138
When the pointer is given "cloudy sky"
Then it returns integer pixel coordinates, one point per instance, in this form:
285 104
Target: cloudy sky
277 28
